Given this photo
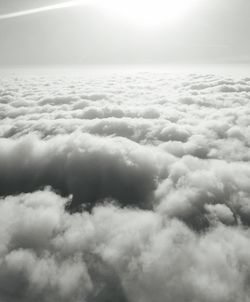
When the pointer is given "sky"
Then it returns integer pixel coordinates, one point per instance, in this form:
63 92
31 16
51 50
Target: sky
210 31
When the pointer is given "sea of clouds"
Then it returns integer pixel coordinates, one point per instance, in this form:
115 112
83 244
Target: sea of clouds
124 187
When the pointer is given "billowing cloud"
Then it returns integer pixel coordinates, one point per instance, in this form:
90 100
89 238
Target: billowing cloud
90 168
116 254
126 187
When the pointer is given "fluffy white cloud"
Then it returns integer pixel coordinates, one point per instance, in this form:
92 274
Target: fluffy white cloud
113 253
148 197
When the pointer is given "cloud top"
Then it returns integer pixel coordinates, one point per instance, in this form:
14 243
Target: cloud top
127 187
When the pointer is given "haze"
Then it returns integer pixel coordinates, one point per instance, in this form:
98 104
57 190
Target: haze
214 31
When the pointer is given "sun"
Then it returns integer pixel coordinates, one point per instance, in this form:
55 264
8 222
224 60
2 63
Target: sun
148 13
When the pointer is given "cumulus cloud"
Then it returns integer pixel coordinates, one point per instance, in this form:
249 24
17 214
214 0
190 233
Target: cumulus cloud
115 254
124 187
91 168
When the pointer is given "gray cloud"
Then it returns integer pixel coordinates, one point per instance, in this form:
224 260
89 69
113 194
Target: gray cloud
115 253
155 171
90 168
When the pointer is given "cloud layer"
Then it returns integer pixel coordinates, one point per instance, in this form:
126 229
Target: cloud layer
124 187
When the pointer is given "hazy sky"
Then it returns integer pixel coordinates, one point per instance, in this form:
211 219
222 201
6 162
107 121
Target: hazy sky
212 31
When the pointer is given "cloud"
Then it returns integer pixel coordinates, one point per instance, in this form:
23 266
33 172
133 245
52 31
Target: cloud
115 253
124 188
91 168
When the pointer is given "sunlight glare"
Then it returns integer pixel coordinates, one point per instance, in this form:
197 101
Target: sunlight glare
148 13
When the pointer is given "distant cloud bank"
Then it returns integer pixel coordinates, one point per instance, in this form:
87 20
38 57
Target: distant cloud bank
125 187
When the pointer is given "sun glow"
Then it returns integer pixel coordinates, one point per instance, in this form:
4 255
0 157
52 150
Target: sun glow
148 13
145 13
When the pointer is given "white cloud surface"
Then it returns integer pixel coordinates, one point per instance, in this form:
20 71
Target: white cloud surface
126 187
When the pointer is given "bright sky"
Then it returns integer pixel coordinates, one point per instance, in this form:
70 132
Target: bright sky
124 31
